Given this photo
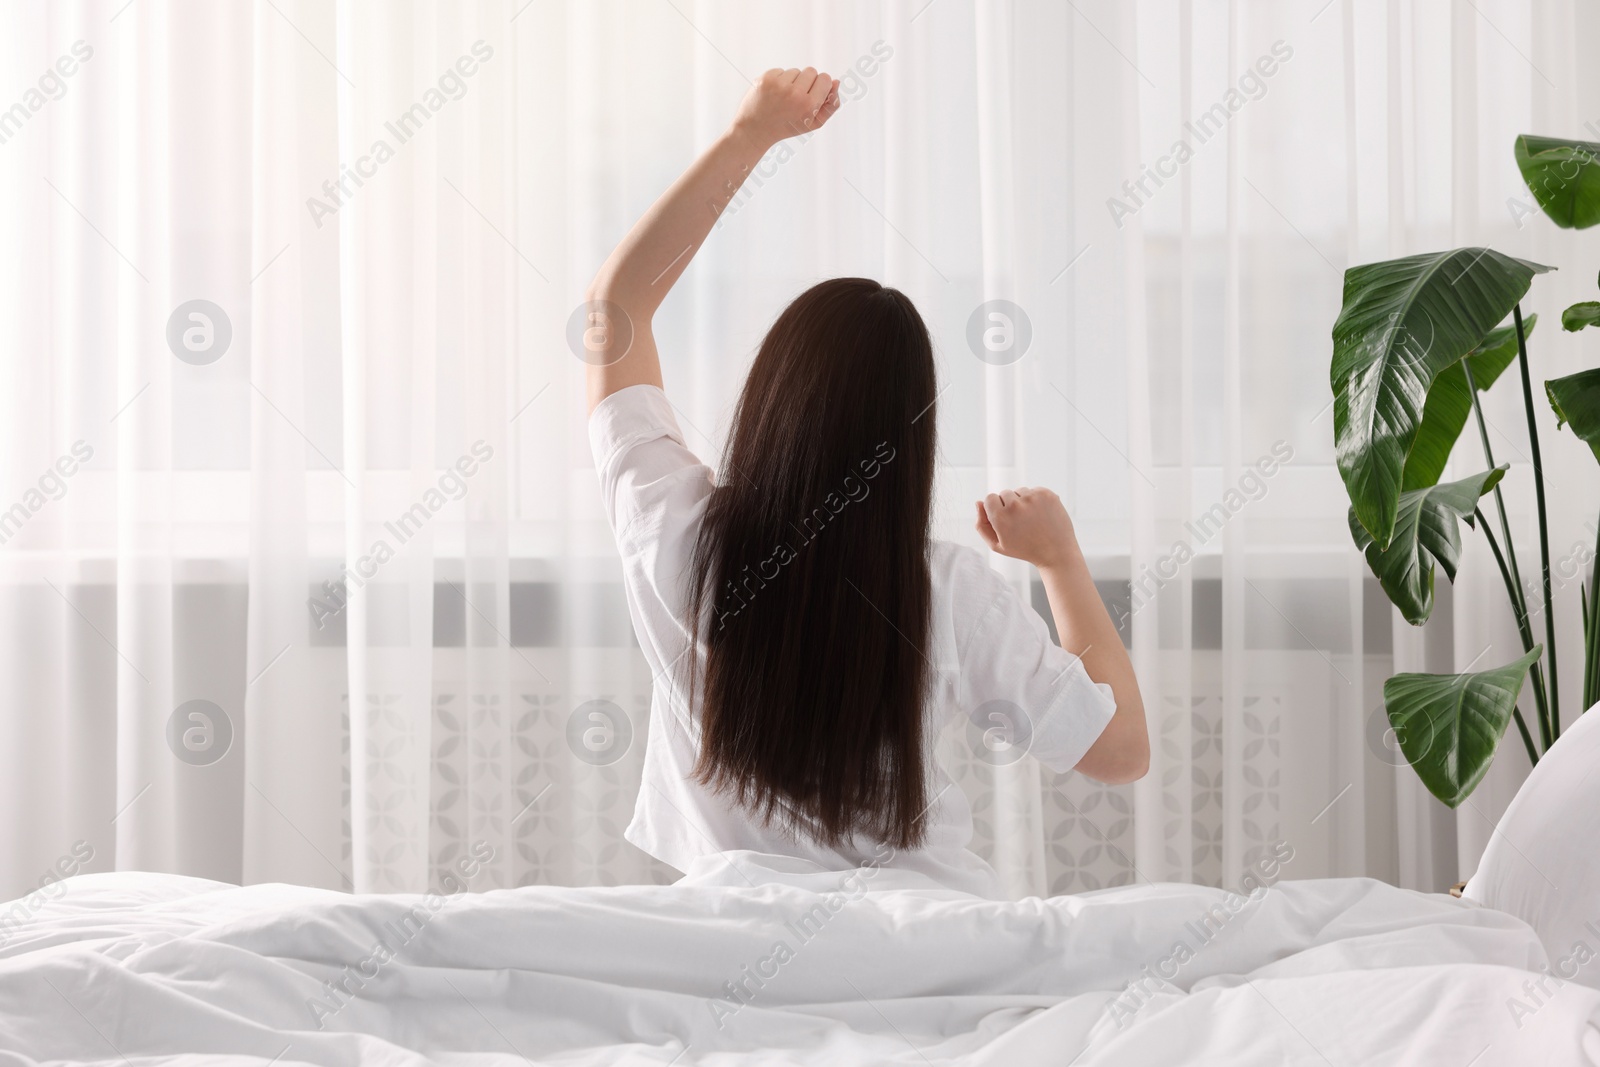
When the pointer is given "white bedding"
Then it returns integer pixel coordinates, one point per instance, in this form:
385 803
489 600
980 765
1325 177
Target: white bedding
134 968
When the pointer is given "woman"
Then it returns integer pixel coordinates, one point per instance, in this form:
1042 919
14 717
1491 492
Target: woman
807 638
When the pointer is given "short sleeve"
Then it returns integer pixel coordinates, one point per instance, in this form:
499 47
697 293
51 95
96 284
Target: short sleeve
648 474
1016 680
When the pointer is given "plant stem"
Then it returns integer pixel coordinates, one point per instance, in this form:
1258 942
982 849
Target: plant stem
1591 652
1544 526
1520 604
1524 632
1508 563
1527 739
1523 629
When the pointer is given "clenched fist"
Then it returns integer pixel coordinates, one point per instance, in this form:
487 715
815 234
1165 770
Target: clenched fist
1027 524
787 103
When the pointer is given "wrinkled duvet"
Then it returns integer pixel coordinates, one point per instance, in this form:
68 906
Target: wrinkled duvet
752 965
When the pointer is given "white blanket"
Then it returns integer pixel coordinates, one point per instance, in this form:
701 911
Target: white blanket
750 964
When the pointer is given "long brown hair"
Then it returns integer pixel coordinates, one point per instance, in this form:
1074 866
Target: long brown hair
810 574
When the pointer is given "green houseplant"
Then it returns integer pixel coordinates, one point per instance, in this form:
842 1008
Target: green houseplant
1418 339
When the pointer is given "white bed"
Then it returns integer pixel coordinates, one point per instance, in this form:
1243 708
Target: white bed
135 968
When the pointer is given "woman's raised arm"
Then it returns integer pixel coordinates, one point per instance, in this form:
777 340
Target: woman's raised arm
621 301
1032 525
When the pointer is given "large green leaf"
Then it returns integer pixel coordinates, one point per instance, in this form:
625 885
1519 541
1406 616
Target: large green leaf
1404 321
1564 176
1449 403
1426 532
1576 399
1449 725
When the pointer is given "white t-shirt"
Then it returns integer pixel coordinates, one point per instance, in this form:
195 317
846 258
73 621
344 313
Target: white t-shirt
991 653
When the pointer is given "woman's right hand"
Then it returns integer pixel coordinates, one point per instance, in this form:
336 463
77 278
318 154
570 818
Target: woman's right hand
786 103
1027 524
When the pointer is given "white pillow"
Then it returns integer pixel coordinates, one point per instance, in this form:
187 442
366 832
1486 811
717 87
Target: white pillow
1543 861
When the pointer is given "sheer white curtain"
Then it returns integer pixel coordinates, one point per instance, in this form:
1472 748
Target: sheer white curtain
308 581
